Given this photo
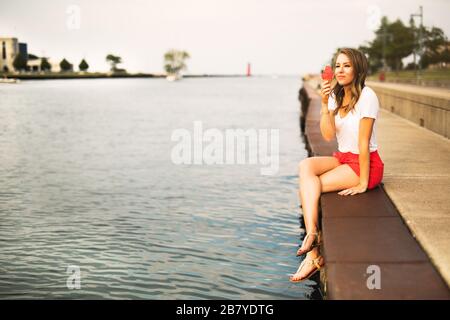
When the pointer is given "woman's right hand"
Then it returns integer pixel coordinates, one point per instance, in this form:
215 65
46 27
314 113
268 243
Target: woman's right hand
325 92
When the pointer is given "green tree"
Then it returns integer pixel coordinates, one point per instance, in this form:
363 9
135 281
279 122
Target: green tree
393 42
174 61
65 65
445 54
45 65
83 66
401 44
113 61
434 46
20 62
375 58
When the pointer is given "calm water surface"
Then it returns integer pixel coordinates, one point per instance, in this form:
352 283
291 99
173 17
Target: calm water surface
86 179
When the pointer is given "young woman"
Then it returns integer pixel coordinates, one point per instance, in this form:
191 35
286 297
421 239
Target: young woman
349 111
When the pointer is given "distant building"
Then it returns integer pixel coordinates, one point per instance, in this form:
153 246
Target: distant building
23 49
10 48
34 64
55 65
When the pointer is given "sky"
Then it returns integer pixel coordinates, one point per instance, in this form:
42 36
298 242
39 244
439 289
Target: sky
276 36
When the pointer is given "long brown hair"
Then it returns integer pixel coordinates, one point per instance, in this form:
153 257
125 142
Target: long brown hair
360 68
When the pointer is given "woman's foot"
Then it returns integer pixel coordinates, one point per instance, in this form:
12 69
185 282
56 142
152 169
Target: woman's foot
307 268
311 240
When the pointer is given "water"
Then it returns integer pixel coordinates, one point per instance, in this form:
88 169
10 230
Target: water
87 180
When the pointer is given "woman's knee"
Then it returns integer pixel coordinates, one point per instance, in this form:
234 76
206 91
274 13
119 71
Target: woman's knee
305 166
302 165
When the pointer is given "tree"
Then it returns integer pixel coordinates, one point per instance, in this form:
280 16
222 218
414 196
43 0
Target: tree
401 45
434 46
375 57
393 42
65 65
83 66
45 65
174 61
434 39
445 54
114 61
20 62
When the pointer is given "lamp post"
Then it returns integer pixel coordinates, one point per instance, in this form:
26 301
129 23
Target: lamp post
420 40
385 35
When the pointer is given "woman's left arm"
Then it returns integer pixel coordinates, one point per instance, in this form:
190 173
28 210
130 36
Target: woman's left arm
365 132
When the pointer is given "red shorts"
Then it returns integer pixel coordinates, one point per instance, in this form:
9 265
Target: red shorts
376 165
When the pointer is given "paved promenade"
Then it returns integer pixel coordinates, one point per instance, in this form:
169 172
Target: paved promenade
417 179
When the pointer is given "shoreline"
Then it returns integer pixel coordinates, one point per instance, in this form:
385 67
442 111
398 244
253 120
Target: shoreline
70 75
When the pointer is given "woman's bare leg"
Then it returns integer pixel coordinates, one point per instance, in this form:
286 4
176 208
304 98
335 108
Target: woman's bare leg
337 179
310 189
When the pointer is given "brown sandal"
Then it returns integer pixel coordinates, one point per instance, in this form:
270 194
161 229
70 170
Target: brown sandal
315 262
316 243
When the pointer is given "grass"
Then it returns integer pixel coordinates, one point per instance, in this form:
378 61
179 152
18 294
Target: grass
436 74
429 78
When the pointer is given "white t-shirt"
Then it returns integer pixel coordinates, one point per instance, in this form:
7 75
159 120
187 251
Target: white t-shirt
347 128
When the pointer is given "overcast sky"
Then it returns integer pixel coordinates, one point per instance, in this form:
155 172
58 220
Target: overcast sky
276 36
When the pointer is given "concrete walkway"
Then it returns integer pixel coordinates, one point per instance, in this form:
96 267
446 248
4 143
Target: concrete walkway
417 179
